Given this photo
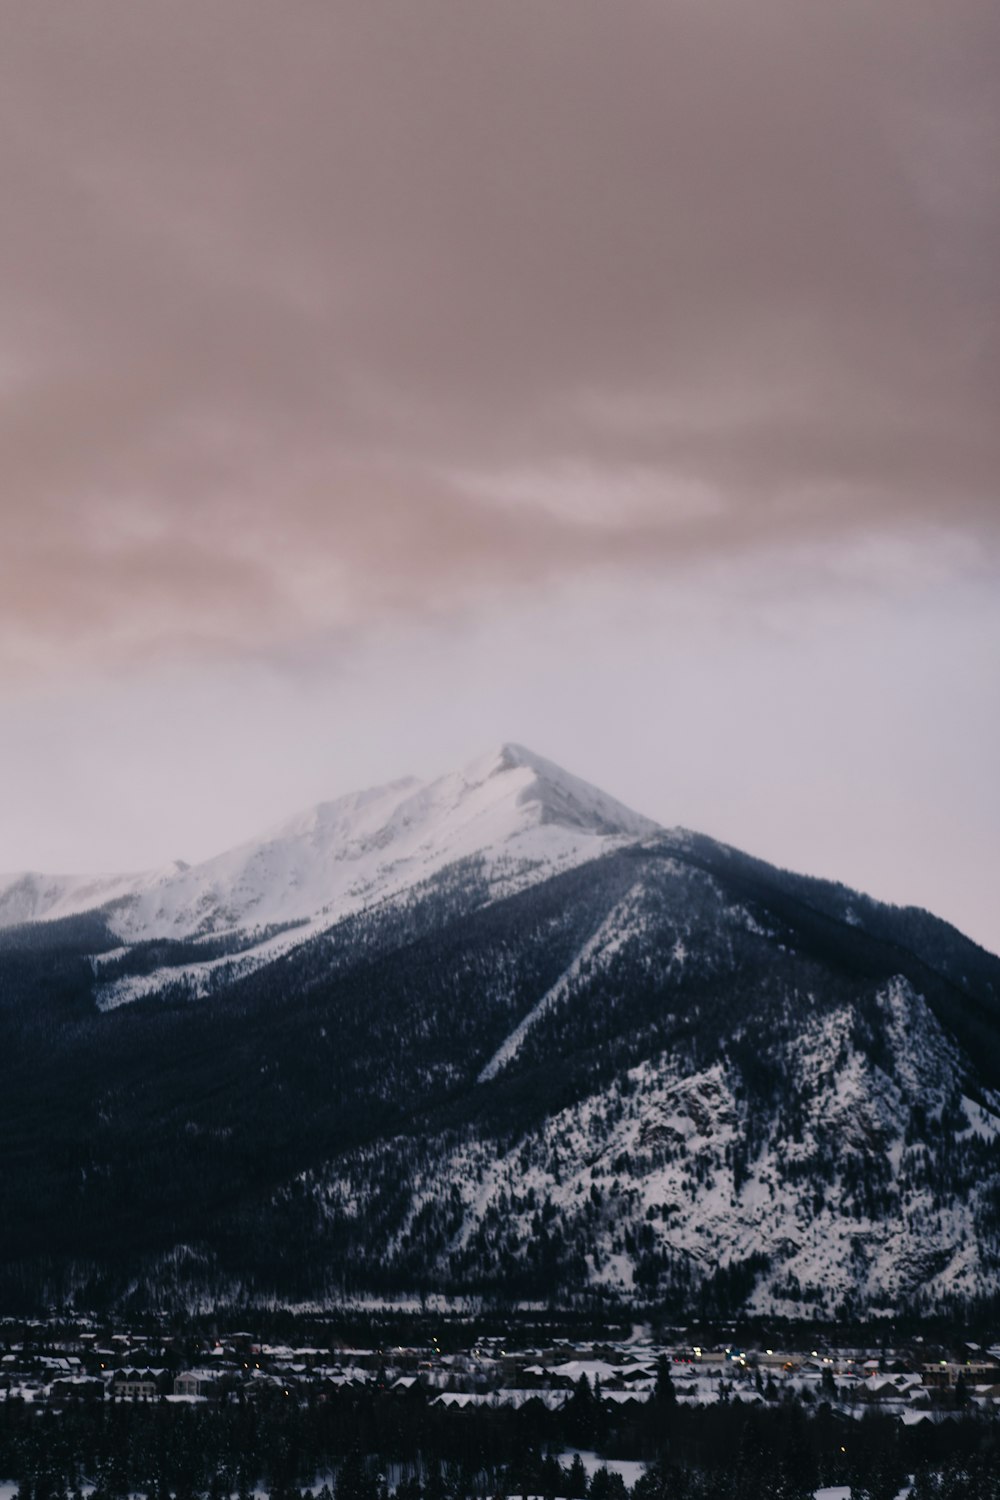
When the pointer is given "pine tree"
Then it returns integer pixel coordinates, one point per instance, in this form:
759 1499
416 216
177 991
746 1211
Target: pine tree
665 1392
353 1482
576 1480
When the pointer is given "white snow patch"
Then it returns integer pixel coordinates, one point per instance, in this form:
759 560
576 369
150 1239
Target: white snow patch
618 926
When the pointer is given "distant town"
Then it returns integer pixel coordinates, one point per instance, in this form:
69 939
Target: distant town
56 1364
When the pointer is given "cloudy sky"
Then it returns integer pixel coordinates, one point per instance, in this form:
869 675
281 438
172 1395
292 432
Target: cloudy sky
383 380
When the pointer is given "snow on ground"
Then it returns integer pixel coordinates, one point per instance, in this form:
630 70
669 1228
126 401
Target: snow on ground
630 1469
843 1492
657 1148
30 897
198 977
618 926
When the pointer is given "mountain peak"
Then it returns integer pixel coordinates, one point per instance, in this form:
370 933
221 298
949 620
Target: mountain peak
520 817
556 796
505 757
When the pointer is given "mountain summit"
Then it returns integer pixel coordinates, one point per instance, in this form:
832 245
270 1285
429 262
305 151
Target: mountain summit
519 815
562 799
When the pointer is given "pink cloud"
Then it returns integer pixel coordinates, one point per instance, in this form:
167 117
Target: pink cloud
293 296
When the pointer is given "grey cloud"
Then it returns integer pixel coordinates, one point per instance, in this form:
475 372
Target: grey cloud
277 280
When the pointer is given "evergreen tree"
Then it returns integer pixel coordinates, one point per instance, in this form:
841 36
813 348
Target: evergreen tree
576 1480
353 1482
664 1392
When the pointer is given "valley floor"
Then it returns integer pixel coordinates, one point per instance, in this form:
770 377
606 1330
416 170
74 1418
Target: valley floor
192 1414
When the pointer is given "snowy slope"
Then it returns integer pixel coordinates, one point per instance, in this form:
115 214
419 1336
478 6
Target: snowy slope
612 932
31 897
641 1178
521 815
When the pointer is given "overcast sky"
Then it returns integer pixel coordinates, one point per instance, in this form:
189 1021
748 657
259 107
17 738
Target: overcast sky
380 381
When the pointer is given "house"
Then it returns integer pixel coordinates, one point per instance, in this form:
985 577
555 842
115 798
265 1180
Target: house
141 1385
626 1400
888 1387
77 1388
196 1383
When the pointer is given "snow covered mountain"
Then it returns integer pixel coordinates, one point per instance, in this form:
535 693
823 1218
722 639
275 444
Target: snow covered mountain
520 816
496 1036
645 1188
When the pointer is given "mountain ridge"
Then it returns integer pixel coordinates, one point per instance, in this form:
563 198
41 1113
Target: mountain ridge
494 798
515 810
